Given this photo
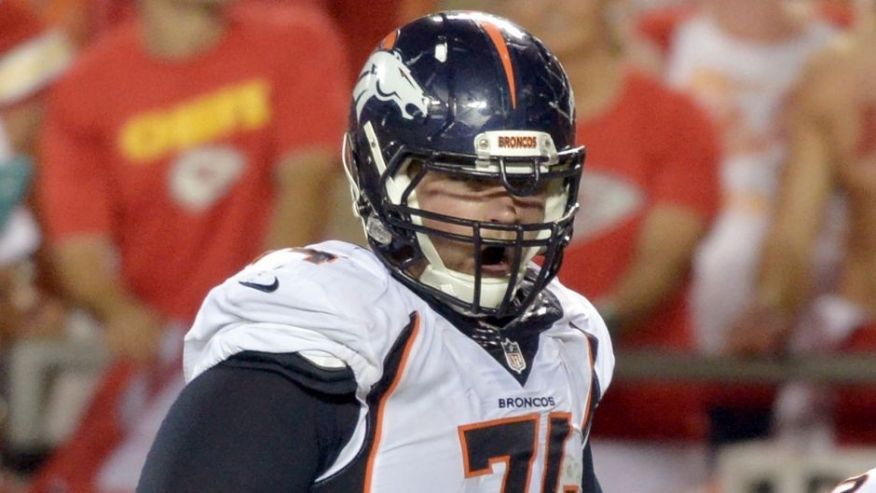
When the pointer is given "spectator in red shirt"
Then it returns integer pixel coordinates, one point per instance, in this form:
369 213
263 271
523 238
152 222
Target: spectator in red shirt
179 147
32 56
649 189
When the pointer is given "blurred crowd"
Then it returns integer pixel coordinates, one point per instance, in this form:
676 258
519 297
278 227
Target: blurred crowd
151 148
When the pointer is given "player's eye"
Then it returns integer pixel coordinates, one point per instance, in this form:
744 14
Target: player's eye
519 182
474 181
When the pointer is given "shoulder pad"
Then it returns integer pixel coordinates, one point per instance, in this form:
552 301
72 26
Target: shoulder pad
332 302
329 277
582 315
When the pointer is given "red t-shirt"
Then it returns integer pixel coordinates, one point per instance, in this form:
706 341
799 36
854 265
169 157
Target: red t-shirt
174 160
652 146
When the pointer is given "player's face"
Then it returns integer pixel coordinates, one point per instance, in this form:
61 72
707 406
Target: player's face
567 27
478 200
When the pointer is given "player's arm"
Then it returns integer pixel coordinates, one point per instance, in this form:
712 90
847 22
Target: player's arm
589 482
807 183
256 423
75 195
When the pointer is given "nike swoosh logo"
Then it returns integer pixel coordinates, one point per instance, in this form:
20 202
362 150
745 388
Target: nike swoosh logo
264 288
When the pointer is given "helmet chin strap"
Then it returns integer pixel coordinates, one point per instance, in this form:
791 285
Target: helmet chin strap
452 282
436 274
458 284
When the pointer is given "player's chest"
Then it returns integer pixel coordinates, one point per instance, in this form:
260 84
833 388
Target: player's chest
483 380
456 419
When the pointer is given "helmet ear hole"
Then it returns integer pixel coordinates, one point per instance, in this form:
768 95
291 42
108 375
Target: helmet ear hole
374 228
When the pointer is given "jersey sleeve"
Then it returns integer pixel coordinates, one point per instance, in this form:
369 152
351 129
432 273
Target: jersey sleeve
584 317
328 303
603 362
73 188
312 87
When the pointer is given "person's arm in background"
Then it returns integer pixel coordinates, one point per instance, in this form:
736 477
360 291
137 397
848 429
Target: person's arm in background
684 199
659 266
311 111
807 183
302 208
74 195
88 274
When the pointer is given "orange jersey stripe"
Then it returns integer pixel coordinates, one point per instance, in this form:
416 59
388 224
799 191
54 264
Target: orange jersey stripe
587 405
378 430
499 41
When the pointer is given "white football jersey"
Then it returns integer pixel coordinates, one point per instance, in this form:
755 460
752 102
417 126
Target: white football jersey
439 412
865 483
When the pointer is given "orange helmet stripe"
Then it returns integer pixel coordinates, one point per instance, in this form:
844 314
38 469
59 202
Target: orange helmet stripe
499 41
388 42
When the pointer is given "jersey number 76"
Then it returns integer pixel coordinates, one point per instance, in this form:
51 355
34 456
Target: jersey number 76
514 441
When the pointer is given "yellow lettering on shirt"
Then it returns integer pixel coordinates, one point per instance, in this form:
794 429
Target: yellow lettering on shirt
155 134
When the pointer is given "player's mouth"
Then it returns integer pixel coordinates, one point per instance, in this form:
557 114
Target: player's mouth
495 261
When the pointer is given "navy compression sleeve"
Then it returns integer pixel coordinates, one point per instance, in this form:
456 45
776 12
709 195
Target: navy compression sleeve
589 482
249 426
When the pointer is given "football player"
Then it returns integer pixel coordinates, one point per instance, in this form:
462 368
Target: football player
445 358
865 483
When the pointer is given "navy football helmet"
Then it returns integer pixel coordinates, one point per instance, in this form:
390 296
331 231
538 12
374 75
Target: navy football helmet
477 97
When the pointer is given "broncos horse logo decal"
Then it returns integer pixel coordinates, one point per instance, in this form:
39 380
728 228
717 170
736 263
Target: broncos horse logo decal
387 78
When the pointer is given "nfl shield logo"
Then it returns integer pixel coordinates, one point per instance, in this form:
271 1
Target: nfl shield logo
513 355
